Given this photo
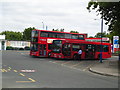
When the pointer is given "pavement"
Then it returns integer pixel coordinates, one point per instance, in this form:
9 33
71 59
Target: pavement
109 67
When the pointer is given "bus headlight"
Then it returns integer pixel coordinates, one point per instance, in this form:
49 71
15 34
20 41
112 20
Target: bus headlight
59 56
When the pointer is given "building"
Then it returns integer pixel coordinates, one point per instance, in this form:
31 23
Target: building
18 44
2 42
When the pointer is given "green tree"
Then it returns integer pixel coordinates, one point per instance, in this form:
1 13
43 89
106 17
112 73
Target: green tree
27 33
110 12
98 35
61 30
91 37
55 29
74 32
10 35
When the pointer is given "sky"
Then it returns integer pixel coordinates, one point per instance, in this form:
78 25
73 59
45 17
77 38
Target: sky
16 15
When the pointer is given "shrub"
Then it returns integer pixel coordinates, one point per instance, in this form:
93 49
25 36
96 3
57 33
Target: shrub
9 48
15 48
21 48
27 48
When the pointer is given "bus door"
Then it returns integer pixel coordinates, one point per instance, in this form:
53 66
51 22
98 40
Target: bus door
90 51
66 50
42 49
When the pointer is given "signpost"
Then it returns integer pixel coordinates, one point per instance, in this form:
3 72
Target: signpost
115 43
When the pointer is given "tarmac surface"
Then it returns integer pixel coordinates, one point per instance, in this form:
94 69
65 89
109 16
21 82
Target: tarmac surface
53 73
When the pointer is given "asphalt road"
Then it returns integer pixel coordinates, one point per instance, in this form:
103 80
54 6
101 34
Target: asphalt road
50 73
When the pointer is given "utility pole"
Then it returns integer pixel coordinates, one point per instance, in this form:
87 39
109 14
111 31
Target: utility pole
101 48
46 27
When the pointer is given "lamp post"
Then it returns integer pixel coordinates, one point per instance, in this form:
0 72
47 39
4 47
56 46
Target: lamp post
43 25
46 27
101 48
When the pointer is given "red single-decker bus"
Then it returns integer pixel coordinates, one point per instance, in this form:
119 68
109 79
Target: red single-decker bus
90 50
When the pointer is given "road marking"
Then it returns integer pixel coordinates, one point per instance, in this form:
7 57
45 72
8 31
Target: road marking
76 64
65 62
27 70
42 59
15 70
50 61
8 69
4 70
24 53
23 81
57 61
21 74
1 70
31 79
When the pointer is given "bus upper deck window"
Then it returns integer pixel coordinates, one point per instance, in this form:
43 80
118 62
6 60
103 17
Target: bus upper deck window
52 34
60 35
81 37
44 34
74 36
34 33
68 36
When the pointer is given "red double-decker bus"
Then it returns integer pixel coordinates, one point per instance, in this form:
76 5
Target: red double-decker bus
90 50
41 41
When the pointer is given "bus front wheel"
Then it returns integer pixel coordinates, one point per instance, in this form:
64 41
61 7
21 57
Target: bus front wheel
49 54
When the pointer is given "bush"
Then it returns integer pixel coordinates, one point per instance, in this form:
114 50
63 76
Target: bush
9 48
21 48
27 48
15 48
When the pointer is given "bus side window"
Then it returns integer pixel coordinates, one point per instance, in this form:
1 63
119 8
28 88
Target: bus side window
50 46
74 36
105 48
52 34
66 49
75 47
44 34
68 36
60 35
81 37
98 47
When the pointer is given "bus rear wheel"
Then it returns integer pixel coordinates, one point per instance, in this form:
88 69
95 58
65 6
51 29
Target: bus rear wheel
75 57
99 57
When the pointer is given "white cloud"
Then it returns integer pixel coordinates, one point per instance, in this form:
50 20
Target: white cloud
68 14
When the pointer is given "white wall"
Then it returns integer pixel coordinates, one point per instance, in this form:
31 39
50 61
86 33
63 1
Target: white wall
19 44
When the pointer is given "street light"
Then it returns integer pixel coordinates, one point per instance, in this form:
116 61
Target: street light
101 48
43 25
46 27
